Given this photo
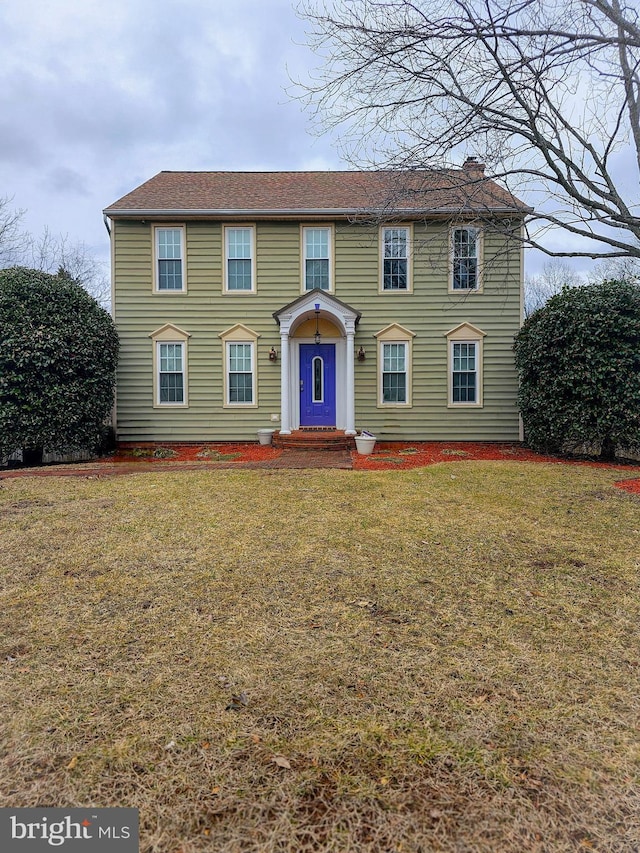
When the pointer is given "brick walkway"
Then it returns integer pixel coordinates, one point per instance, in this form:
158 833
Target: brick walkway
310 459
288 459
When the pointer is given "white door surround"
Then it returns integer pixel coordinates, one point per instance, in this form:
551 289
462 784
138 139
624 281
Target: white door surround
346 319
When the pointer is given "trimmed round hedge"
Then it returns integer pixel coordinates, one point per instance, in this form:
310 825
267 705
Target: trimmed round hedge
58 356
578 358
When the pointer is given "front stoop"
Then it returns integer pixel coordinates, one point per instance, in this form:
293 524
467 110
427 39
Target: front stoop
314 439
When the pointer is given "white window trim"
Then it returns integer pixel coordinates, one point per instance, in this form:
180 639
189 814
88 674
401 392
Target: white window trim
466 333
225 263
395 334
169 226
303 256
408 227
480 244
170 334
239 334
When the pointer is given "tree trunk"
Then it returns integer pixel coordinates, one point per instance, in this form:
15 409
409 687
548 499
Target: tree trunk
608 449
32 456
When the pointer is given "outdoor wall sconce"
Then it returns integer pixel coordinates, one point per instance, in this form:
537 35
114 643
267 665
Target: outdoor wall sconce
316 337
273 355
362 354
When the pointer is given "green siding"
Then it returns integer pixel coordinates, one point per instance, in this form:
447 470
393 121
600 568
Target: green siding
205 311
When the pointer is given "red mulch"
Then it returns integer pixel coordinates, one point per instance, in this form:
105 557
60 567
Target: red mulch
388 456
239 452
632 486
393 455
400 455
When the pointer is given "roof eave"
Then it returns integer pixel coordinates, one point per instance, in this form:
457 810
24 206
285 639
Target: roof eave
180 213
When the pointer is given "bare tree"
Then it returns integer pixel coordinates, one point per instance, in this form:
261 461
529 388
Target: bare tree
616 269
13 240
555 276
545 92
51 253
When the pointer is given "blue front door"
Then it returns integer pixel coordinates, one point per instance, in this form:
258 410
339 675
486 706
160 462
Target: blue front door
318 385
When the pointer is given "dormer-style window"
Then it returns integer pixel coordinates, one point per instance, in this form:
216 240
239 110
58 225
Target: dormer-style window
170 360
394 366
239 345
465 357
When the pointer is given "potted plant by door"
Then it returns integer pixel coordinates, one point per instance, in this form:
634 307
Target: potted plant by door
365 442
265 435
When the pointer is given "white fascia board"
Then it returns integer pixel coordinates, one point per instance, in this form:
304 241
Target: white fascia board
254 213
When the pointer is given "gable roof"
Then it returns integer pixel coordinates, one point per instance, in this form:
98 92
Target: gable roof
282 194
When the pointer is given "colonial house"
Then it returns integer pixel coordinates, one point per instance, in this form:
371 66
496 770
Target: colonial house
339 300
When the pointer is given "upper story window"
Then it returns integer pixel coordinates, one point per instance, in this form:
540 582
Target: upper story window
316 258
169 260
240 273
465 258
396 263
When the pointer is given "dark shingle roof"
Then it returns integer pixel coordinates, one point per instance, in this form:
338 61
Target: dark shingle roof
282 193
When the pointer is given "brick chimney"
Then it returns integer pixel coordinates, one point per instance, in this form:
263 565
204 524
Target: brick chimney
471 165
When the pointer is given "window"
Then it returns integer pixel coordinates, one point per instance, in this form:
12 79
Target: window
239 345
317 258
465 375
465 259
465 344
395 259
171 373
239 263
169 257
170 347
240 372
394 366
318 380
394 373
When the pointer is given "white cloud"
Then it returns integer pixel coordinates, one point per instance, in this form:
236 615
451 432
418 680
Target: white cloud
96 98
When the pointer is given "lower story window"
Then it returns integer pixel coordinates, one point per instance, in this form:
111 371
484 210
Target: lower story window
465 372
171 373
240 372
394 373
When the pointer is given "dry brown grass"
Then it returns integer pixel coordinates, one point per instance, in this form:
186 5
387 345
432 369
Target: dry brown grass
440 659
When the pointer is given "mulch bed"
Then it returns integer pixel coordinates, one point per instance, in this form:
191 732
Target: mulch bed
387 456
632 486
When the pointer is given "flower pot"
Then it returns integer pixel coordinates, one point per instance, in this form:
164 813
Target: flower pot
365 444
265 435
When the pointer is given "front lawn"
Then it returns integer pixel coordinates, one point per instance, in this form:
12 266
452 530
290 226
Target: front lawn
444 658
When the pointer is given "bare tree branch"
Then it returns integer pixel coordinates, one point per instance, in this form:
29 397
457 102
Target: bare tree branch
51 253
13 240
555 276
545 92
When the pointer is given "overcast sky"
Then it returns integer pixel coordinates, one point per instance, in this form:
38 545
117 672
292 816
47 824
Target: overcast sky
96 97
